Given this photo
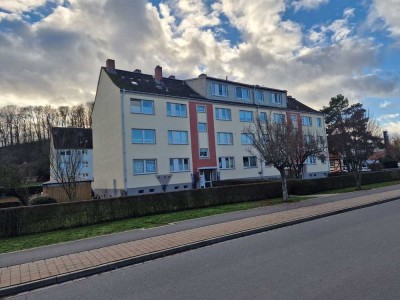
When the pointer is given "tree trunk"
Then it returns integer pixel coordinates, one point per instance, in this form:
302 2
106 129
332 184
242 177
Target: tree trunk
358 177
285 195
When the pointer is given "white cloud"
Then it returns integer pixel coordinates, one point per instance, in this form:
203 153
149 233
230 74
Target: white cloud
18 6
386 11
308 4
385 104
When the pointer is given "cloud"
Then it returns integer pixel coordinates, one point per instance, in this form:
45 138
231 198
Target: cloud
385 104
18 6
386 11
308 4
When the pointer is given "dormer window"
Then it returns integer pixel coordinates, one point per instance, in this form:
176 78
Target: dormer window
276 98
219 89
242 93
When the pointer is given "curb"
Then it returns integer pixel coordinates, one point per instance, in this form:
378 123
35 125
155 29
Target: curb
24 287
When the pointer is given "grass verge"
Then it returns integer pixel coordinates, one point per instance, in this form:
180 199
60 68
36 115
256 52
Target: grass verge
66 235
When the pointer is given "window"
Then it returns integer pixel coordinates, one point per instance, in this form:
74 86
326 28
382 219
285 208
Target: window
276 98
321 139
311 160
142 106
203 152
84 164
219 89
293 118
223 114
263 117
319 122
224 138
177 137
279 118
176 110
62 153
144 166
250 161
247 138
242 93
306 121
179 164
201 108
226 163
143 136
259 96
202 127
246 116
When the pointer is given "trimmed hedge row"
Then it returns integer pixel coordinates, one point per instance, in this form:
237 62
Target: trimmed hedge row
32 219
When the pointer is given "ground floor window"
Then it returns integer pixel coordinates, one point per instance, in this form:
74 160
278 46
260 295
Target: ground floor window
226 162
179 164
144 166
250 161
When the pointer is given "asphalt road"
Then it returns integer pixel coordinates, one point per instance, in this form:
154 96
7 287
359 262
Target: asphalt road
355 255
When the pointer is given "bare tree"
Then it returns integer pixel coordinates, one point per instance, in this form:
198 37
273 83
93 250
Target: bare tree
66 160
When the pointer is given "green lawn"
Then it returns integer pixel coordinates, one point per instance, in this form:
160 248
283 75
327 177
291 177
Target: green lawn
60 236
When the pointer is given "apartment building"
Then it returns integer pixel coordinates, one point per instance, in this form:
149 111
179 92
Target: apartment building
153 133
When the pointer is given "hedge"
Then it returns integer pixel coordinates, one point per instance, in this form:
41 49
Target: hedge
33 219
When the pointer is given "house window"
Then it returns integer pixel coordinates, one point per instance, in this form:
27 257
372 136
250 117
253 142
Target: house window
144 166
226 163
321 140
246 116
223 114
201 108
85 164
263 117
311 160
219 89
224 138
176 137
306 121
179 164
319 122
247 138
242 93
176 110
250 161
202 127
142 106
203 152
259 96
62 153
279 118
276 98
293 118
143 136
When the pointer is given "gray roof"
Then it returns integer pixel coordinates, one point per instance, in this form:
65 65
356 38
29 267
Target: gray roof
72 138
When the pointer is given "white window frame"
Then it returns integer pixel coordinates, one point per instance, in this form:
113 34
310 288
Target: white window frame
249 159
204 150
180 162
241 90
244 114
306 121
319 122
180 112
144 161
204 129
223 165
201 108
143 141
222 138
281 119
311 160
219 89
246 138
226 116
275 98
261 94
141 106
173 139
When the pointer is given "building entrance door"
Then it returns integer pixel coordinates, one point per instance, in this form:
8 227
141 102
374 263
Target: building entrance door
207 176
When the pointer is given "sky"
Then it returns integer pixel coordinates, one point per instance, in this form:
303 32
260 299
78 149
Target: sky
51 51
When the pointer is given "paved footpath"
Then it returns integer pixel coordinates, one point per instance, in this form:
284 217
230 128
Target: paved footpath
39 273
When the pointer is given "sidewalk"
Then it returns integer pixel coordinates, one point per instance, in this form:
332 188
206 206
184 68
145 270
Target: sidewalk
51 270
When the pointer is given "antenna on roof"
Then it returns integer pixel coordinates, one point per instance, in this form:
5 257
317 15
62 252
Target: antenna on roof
226 77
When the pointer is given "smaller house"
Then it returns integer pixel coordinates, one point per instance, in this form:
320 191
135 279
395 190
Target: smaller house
71 164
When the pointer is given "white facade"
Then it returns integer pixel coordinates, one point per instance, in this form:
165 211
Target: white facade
138 136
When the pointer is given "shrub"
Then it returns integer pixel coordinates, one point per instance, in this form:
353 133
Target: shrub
42 200
376 167
6 202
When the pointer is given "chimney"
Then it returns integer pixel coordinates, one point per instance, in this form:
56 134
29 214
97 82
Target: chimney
202 75
158 73
386 139
137 71
110 65
171 77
